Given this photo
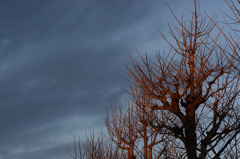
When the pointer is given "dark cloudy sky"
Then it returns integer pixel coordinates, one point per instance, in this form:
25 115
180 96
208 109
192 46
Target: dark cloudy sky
62 63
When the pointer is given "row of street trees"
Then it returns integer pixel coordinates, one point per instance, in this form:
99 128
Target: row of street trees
184 104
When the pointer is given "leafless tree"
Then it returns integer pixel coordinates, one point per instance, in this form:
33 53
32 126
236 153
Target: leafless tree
184 103
123 129
193 88
149 135
96 147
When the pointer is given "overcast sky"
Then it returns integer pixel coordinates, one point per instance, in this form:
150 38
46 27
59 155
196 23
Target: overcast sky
62 63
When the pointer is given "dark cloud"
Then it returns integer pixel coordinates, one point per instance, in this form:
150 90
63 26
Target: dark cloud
61 63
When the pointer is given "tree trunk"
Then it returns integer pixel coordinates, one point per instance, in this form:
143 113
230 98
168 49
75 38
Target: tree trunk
145 141
130 153
190 133
150 153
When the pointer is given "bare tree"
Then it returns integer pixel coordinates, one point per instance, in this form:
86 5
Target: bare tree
184 103
193 88
123 129
96 147
148 135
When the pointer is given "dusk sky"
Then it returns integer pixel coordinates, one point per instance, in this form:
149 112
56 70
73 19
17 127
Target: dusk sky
62 64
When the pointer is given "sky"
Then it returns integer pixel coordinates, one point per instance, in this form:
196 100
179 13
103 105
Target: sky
62 65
